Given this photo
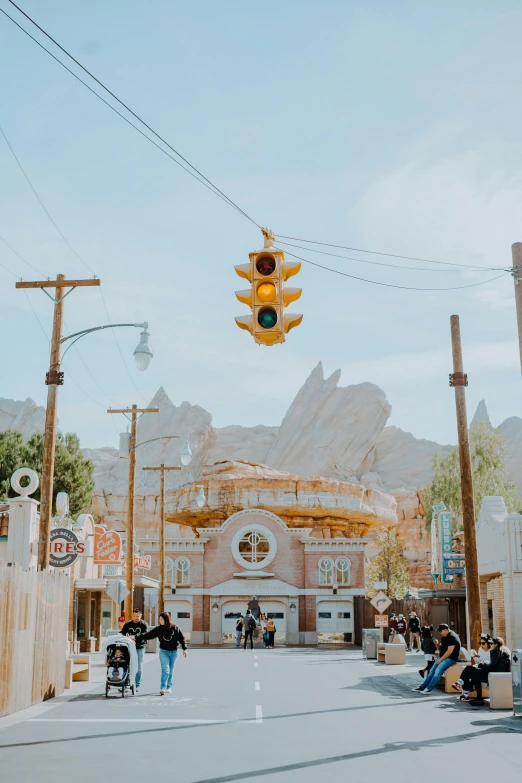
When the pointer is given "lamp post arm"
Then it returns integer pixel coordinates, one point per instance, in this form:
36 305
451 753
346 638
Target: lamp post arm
79 335
164 437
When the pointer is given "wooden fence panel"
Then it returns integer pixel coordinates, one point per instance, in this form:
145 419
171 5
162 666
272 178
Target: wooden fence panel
34 609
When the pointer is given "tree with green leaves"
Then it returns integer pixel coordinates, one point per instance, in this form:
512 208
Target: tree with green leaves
73 473
490 474
390 565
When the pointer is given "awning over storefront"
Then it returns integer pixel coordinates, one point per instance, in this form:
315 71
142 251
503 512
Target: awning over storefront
90 584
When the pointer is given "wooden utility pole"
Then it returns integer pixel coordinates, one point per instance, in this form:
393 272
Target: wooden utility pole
516 251
129 559
459 380
162 468
53 379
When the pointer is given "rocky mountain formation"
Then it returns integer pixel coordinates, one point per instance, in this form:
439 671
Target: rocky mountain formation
329 431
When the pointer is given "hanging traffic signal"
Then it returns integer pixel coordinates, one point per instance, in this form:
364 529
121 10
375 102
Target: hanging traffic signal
268 298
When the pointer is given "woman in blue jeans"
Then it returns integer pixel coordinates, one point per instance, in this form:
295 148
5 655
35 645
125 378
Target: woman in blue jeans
170 638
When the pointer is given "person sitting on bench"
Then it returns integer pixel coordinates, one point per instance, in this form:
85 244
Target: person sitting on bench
473 677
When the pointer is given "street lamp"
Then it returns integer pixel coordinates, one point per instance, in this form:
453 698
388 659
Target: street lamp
186 454
200 497
143 352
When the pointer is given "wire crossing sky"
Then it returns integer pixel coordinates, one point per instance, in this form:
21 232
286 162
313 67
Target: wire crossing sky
355 127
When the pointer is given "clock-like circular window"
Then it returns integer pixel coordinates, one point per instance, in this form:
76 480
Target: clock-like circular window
254 547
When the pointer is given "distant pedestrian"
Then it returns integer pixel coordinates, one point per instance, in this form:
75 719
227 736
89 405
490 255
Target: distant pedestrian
170 638
401 627
239 630
250 627
449 655
414 629
264 630
270 626
393 626
135 629
429 648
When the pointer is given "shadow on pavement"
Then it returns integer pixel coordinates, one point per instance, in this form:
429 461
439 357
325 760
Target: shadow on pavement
390 747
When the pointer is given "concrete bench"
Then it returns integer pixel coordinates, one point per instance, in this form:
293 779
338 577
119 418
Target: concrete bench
81 667
391 654
451 676
500 691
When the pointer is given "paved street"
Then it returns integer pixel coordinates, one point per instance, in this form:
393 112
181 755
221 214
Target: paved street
283 715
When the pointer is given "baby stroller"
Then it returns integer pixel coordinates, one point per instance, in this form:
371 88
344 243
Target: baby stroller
128 661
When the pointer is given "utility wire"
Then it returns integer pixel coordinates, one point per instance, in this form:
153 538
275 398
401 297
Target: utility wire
208 183
9 271
392 285
71 248
38 271
49 342
119 348
113 108
40 201
391 255
214 188
379 263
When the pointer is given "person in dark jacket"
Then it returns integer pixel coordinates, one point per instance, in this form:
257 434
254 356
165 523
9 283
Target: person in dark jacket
170 638
473 677
429 648
393 627
250 627
135 629
414 629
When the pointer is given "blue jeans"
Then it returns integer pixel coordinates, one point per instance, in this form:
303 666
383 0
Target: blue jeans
238 638
436 672
168 661
140 652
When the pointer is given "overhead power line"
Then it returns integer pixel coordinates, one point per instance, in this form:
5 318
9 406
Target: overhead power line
393 285
71 248
380 263
200 176
392 255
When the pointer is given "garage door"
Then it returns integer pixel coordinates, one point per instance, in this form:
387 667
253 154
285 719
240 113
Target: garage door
230 612
181 613
334 618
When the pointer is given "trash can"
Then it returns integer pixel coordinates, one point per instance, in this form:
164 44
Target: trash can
516 674
370 639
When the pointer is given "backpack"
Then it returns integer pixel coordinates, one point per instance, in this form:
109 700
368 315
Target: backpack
250 623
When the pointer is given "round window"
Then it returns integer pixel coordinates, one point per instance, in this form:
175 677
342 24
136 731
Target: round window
254 547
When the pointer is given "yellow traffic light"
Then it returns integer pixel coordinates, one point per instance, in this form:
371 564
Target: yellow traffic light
267 297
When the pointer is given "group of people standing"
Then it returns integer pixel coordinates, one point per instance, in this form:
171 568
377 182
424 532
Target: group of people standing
399 626
249 626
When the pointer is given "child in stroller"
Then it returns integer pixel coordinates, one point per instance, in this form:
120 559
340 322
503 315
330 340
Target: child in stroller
116 665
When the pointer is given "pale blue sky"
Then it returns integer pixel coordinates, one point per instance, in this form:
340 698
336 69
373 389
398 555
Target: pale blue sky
393 126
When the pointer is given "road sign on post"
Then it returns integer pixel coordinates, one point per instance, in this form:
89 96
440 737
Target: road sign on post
380 601
381 620
117 590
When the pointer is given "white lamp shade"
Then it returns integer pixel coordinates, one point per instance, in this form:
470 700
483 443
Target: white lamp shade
143 352
200 497
186 454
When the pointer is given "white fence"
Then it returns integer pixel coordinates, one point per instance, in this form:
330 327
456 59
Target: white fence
34 610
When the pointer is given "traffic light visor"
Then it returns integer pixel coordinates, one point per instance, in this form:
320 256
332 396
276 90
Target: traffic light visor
265 265
267 318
